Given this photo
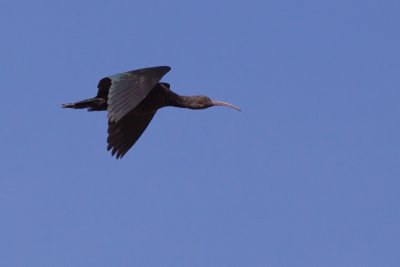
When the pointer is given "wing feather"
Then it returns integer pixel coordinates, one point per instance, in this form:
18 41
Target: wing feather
122 135
128 89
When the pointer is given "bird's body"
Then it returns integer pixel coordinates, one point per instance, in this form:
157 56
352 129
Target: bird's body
132 99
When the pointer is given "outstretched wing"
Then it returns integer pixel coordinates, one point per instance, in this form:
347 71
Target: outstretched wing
123 134
128 89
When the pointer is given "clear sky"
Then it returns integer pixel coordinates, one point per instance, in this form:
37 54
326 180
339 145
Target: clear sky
308 174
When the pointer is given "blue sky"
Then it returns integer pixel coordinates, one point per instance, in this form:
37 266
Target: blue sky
306 175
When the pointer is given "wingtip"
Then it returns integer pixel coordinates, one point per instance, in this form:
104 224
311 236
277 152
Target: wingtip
162 70
166 67
158 70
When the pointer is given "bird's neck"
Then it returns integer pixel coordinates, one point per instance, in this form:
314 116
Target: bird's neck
180 101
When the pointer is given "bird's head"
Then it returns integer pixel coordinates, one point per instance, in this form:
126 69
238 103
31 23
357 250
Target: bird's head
203 102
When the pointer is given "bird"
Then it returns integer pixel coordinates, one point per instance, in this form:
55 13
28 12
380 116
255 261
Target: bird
132 99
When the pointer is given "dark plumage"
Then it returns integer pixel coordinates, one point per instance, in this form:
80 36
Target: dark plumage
132 99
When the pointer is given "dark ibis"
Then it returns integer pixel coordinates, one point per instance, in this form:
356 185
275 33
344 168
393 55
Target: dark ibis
132 99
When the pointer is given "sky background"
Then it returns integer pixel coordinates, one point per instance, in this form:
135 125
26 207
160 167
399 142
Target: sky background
308 174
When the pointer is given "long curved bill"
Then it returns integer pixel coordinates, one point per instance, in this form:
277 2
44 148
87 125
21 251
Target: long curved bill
225 104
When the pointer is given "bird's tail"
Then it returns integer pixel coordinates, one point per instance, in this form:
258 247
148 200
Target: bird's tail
92 104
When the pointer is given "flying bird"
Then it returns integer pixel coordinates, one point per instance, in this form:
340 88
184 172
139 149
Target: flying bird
132 99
